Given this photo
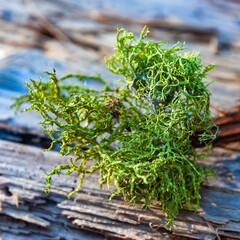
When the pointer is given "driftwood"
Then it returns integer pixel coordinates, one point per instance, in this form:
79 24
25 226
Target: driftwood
195 33
26 212
18 35
229 126
228 123
24 135
229 129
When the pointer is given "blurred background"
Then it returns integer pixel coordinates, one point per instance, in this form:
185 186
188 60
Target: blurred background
75 35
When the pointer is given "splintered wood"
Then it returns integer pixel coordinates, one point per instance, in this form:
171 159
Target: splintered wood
27 212
229 126
74 37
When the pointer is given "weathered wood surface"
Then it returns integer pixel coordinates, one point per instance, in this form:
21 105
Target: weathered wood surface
74 36
27 212
229 127
71 36
228 122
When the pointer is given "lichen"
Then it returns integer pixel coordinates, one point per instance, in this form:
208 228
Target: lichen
141 137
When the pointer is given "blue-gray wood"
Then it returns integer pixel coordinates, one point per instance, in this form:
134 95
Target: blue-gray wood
27 212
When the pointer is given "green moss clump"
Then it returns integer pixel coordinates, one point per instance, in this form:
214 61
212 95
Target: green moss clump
141 137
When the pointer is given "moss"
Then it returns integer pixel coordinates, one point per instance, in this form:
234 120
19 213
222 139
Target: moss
142 137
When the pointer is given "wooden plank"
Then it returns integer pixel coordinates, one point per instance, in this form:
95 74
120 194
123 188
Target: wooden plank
24 203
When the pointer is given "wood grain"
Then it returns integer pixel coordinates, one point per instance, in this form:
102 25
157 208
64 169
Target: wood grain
27 212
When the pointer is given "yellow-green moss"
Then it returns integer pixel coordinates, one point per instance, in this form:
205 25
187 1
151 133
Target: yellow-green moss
141 137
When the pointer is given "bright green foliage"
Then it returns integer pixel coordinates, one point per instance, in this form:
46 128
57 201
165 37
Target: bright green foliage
141 137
